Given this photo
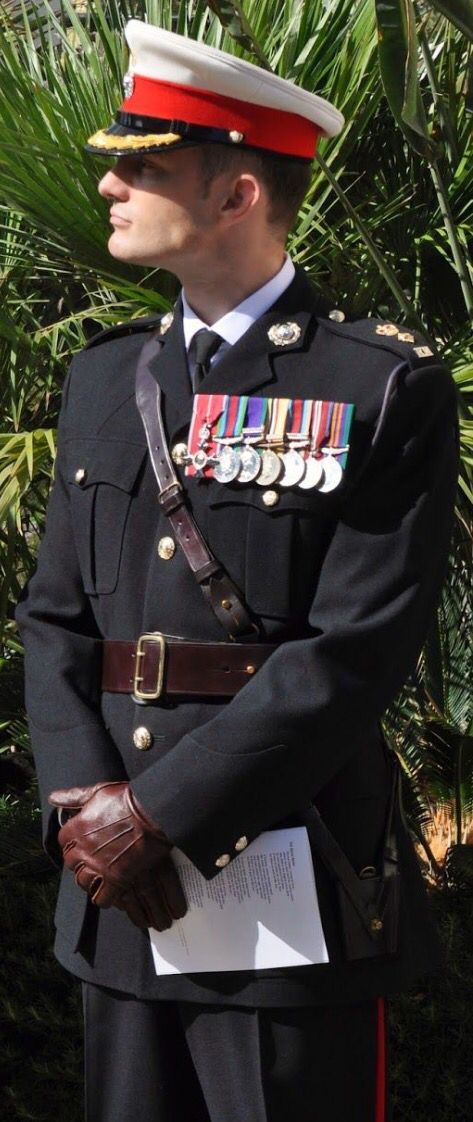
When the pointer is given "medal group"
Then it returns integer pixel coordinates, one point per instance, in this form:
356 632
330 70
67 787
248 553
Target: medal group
292 442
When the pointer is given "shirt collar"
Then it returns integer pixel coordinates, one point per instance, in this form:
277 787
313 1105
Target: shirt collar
233 324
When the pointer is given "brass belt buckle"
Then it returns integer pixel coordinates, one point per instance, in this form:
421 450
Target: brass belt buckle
140 694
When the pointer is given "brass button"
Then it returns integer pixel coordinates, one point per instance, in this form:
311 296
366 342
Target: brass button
223 860
337 315
179 453
250 669
270 498
227 604
142 738
81 475
241 844
376 924
166 548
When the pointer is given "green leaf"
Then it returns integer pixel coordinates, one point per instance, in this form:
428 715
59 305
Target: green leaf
398 60
233 19
459 12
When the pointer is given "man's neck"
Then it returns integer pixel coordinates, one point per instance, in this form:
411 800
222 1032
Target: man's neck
221 289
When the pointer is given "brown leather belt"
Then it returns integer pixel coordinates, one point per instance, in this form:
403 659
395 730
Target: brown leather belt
159 665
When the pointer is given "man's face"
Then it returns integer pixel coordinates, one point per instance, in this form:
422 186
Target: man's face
160 212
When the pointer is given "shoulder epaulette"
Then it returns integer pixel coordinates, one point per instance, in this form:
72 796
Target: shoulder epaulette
408 344
130 327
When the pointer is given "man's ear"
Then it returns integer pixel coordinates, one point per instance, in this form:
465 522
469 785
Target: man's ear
243 196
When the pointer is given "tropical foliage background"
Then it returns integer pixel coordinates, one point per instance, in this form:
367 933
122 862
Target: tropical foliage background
387 229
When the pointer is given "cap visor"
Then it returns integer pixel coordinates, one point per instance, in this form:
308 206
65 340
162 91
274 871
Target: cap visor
120 141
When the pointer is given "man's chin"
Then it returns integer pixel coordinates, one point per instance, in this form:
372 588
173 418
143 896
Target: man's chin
131 255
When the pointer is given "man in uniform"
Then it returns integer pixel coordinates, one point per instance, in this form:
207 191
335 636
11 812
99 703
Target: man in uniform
260 685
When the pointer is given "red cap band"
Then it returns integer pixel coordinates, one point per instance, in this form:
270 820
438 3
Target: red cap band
262 127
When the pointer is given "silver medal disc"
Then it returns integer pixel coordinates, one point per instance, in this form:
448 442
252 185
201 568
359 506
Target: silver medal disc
200 459
333 474
293 468
314 474
271 468
250 465
227 466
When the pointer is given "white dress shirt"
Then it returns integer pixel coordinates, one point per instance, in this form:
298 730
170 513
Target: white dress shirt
233 324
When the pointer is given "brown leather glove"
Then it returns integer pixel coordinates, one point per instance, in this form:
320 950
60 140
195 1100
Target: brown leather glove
118 855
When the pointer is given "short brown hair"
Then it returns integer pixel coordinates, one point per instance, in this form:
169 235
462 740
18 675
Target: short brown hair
286 180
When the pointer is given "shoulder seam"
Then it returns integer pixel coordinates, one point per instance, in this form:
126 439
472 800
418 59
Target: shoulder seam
118 330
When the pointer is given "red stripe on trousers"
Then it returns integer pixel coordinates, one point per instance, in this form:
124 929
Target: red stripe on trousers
381 1064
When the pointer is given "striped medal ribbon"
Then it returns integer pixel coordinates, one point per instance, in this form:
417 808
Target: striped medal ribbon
335 452
297 436
250 457
201 447
228 438
271 463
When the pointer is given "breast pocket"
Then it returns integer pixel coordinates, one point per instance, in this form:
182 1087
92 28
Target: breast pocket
272 549
102 476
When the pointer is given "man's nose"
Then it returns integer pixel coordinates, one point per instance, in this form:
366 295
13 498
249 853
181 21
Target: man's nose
112 186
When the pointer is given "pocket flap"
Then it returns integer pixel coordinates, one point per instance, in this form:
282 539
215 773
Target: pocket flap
106 461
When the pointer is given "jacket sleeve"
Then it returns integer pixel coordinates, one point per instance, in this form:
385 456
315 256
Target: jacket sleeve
296 723
62 662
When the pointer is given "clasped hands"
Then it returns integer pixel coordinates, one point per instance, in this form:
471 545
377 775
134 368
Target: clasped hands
118 855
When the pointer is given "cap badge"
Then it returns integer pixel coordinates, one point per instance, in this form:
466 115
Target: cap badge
283 334
128 84
166 322
337 315
406 337
387 329
236 137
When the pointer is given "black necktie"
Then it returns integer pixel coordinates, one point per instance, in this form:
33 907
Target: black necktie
206 345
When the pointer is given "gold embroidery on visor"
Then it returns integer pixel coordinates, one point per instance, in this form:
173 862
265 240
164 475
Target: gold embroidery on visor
104 139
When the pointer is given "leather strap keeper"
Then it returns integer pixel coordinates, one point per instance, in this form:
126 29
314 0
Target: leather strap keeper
159 665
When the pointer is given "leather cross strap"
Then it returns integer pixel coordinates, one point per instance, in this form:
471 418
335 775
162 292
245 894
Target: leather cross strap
217 587
164 665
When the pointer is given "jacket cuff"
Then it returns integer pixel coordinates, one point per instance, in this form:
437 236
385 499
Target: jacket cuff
184 793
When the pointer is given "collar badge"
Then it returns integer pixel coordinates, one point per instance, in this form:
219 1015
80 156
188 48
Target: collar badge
406 337
387 329
166 322
283 334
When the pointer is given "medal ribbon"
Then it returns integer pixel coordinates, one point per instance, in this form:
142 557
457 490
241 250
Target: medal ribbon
257 410
306 415
295 416
348 415
242 405
279 412
207 408
342 419
321 416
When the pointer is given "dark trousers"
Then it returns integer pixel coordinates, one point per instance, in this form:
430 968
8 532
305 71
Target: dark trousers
179 1062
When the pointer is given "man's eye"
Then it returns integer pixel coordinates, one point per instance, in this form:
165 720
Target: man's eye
148 165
